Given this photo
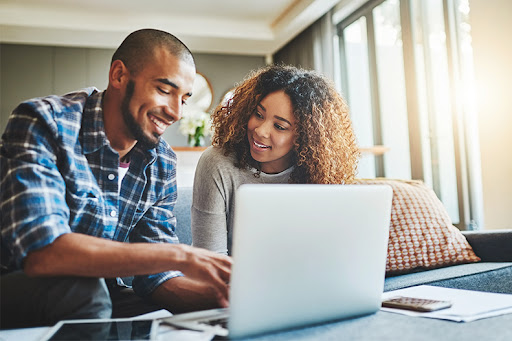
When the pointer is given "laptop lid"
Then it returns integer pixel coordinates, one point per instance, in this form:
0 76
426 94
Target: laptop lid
306 254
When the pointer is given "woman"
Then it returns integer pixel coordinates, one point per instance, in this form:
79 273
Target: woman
282 125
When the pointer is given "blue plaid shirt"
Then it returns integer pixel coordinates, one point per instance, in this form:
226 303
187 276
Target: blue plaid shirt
59 174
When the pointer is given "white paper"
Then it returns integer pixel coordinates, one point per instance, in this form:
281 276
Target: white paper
467 305
171 333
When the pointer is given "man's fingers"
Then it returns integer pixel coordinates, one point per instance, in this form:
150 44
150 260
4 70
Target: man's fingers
213 270
224 273
221 259
223 302
225 276
222 292
222 265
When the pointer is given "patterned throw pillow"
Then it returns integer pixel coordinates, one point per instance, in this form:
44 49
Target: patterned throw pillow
421 235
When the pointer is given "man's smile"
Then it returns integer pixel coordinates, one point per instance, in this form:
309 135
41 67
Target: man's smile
160 123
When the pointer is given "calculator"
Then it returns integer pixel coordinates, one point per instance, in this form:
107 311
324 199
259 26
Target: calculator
415 303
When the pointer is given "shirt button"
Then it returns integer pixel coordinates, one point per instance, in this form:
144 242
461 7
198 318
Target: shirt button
113 213
111 176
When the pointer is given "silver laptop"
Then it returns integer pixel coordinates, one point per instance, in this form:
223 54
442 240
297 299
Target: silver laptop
303 254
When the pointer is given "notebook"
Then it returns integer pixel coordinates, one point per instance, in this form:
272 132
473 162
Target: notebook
303 254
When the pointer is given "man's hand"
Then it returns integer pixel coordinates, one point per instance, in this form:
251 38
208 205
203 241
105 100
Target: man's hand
183 294
207 268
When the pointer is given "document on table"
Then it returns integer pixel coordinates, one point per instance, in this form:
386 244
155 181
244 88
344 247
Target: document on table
171 333
467 305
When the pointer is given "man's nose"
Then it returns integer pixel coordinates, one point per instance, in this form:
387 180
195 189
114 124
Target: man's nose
174 108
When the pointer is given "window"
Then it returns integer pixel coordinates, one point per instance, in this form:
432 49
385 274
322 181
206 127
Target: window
358 91
391 89
434 93
401 62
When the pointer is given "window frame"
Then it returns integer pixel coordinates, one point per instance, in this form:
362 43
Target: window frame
412 98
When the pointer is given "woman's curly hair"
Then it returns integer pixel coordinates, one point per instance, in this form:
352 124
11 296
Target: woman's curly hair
325 149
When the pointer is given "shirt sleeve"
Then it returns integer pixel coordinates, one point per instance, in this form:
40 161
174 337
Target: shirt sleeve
209 205
33 206
157 226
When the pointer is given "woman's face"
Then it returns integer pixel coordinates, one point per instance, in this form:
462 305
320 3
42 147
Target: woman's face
271 133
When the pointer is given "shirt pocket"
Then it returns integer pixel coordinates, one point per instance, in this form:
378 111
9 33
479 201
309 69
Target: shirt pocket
87 210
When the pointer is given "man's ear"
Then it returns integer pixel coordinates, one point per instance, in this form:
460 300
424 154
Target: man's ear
118 74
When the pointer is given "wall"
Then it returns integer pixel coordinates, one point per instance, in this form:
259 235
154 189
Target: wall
223 72
31 71
491 27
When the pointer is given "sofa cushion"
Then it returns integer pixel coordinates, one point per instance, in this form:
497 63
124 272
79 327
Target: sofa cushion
182 213
472 274
491 245
421 235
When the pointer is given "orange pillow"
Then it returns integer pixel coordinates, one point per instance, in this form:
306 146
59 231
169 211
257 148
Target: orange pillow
421 235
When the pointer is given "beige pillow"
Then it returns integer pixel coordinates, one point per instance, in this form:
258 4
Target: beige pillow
421 235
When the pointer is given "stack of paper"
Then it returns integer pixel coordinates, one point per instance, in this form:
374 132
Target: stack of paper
467 305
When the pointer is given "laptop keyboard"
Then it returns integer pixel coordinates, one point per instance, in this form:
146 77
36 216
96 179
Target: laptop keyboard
222 322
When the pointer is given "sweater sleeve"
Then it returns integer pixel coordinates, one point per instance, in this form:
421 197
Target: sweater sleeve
210 203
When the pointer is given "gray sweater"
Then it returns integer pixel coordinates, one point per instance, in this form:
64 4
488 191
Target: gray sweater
213 204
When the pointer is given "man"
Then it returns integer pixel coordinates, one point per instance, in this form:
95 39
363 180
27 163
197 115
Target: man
87 191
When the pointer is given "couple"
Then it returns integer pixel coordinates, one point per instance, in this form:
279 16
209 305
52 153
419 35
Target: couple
88 186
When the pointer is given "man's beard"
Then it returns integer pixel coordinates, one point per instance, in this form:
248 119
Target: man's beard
150 141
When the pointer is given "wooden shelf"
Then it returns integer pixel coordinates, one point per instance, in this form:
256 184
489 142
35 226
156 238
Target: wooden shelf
375 150
188 149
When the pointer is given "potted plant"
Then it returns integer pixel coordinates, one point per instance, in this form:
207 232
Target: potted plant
195 124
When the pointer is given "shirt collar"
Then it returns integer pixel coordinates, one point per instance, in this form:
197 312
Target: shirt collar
93 129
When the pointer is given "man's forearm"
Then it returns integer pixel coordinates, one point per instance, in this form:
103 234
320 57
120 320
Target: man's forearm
75 254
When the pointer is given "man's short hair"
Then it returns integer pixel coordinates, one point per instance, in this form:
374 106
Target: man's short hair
138 48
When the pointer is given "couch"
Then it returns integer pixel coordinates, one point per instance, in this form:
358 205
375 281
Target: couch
493 273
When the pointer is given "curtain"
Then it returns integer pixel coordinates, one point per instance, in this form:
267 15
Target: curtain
312 49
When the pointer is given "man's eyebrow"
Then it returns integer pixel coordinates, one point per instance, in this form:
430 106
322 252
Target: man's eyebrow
277 117
172 84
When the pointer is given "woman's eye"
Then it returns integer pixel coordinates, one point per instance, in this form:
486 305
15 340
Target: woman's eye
258 115
279 127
